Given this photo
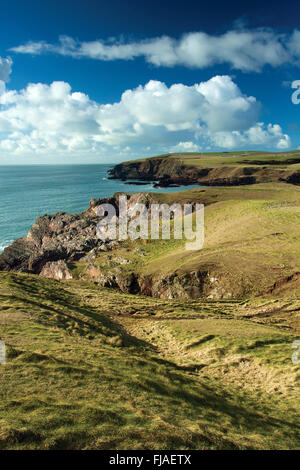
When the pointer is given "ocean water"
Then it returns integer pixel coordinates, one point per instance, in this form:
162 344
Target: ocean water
29 191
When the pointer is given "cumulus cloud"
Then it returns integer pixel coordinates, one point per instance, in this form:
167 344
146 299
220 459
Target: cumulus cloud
243 49
186 147
260 135
52 119
5 71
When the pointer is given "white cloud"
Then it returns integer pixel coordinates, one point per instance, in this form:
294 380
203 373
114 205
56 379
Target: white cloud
5 69
243 49
186 147
53 120
261 135
294 44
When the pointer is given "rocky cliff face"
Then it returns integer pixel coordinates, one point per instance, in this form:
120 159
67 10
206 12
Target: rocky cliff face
193 285
56 237
62 237
167 171
56 241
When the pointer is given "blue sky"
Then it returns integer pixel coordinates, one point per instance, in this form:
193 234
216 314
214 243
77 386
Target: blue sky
99 81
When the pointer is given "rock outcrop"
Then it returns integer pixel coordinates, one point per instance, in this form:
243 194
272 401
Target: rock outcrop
56 270
190 285
56 241
62 237
52 238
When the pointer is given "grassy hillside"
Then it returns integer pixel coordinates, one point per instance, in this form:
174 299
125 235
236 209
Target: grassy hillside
241 158
251 241
92 368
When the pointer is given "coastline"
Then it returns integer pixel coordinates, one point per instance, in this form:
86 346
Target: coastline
30 191
174 170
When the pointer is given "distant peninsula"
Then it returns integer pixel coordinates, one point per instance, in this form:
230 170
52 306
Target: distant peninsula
212 169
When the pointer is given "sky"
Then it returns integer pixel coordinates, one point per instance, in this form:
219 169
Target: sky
108 81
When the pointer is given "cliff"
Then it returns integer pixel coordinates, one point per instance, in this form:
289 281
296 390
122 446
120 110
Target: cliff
212 170
241 223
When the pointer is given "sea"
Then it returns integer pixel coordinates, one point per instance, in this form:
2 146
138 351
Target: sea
28 191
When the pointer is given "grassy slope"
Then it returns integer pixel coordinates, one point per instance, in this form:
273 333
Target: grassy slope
94 368
251 238
242 159
236 159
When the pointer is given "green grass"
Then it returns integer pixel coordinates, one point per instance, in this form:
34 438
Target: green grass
243 159
251 240
94 368
239 158
79 377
